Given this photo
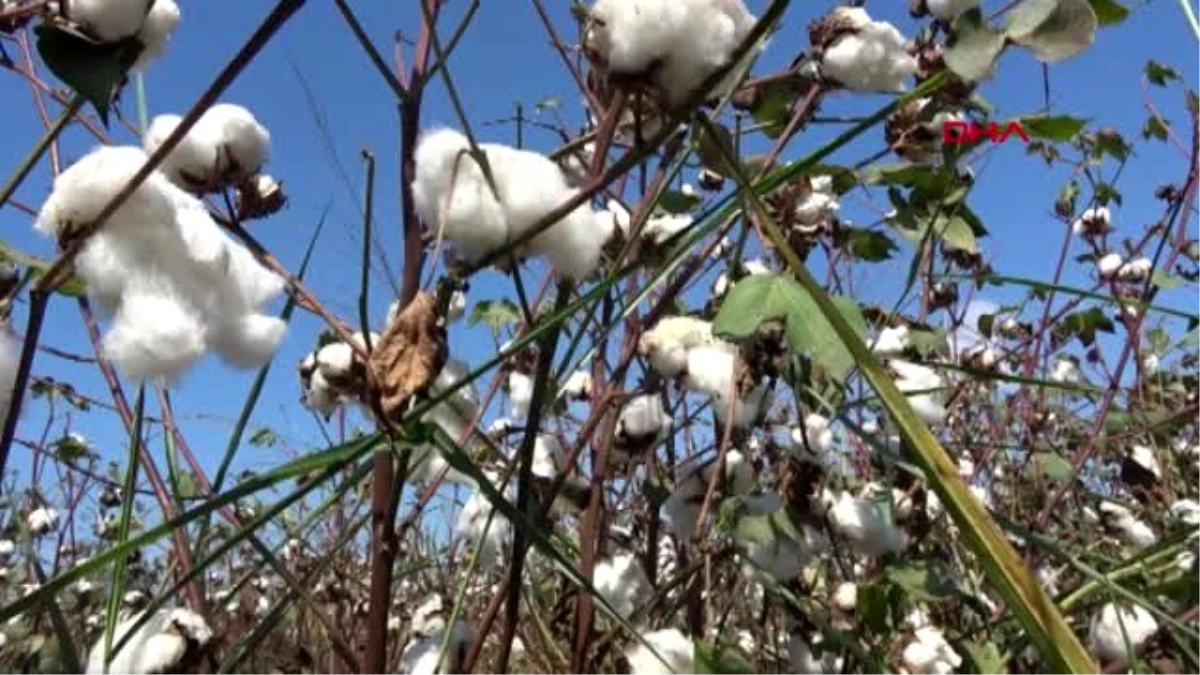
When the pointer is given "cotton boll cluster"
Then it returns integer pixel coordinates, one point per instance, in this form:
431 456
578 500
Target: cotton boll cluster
672 653
425 656
1110 628
667 344
168 642
818 206
42 521
453 197
115 20
1132 530
1092 222
175 283
864 55
622 583
863 523
225 147
332 375
930 653
912 377
681 42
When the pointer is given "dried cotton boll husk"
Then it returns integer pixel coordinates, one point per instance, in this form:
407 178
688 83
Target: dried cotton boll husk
86 187
688 40
155 334
156 31
170 641
108 20
622 583
673 652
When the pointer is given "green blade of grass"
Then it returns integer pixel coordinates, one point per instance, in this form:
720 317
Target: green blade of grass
117 590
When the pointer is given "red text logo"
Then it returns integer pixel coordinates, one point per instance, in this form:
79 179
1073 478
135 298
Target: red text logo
956 132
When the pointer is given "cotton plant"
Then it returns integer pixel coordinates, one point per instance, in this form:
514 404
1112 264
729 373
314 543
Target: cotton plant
455 199
170 640
175 284
679 43
862 54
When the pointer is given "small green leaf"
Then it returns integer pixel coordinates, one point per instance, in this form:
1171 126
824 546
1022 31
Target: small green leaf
765 297
873 607
1061 128
1109 12
71 448
755 528
674 201
1159 74
263 437
1164 280
495 314
73 287
985 324
1110 142
715 658
985 658
1065 31
774 108
1084 326
973 46
869 245
1051 467
923 581
1155 127
94 71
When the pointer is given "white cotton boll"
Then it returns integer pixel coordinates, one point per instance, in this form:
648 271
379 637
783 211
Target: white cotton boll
642 418
917 378
1136 270
781 559
244 143
578 386
250 341
817 431
746 410
873 58
688 39
1144 457
892 341
425 656
574 244
1133 531
154 335
465 400
1109 264
428 618
548 453
458 305
930 653
159 646
673 652
156 31
193 161
42 521
108 20
622 583
469 216
472 523
845 596
710 368
86 187
335 360
1106 637
820 204
203 240
863 524
1187 510
1091 221
320 397
949 9
1066 371
661 228
520 393
7 547
667 344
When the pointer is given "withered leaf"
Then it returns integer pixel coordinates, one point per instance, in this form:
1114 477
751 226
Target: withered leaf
409 355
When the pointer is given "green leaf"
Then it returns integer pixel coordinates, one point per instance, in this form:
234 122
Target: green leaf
1159 74
1109 12
73 287
755 528
495 314
714 147
1051 466
1084 326
1064 31
1061 128
873 606
924 581
765 297
985 658
71 449
263 437
715 658
94 71
1154 127
973 46
774 108
1110 142
869 245
674 201
1164 280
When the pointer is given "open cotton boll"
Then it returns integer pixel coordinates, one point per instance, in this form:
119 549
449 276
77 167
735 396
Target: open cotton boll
710 368
675 649
42 521
85 188
783 558
667 344
661 228
468 215
249 341
465 400
156 31
1092 222
108 20
819 204
870 57
949 9
845 596
1108 265
1132 530
862 522
816 429
687 39
166 643
930 653
1187 510
154 335
746 410
244 143
473 527
917 378
1144 457
520 393
1106 637
578 386
622 583
891 341
425 656
192 163
642 419
1136 270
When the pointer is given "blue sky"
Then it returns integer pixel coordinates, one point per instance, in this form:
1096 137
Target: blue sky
505 59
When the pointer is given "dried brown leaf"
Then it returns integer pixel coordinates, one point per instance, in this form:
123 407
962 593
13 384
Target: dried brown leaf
409 355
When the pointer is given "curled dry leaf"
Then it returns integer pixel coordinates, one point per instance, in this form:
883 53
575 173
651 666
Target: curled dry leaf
409 355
